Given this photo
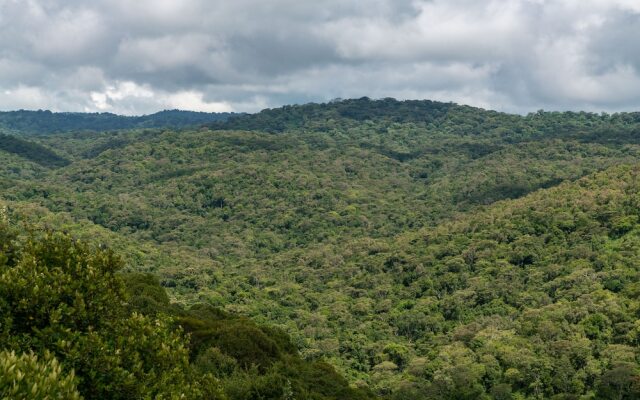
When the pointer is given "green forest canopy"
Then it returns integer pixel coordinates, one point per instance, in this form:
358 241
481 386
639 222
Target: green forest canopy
73 327
423 249
43 122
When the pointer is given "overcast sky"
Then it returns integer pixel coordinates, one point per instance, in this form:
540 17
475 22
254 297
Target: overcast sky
141 56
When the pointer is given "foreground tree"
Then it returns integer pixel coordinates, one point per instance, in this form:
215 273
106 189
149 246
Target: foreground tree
29 377
59 297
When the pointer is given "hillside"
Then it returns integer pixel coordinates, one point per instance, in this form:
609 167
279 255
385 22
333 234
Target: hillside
46 122
242 195
423 249
31 151
530 297
74 326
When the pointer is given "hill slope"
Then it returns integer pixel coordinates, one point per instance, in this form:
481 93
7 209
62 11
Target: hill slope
46 122
74 327
377 235
530 297
31 151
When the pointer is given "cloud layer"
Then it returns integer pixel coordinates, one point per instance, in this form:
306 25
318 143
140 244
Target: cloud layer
141 56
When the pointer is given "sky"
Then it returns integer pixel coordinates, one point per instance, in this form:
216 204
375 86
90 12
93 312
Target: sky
141 56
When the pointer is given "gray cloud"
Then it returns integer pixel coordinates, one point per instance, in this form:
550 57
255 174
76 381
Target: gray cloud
141 56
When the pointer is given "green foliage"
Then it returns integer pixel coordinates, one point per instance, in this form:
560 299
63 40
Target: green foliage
46 122
64 300
147 296
31 151
622 381
26 377
244 359
313 116
422 249
63 297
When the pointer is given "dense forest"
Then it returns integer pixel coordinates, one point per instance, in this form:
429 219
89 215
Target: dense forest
73 327
44 122
355 249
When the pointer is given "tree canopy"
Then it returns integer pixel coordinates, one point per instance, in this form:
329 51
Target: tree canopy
408 249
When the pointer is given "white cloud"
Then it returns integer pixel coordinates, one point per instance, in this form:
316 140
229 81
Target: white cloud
138 57
192 100
440 30
130 98
23 97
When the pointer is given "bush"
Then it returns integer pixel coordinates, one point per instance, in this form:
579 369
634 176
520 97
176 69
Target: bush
28 377
60 296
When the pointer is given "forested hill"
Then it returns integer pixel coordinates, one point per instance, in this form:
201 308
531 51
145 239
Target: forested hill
74 327
320 116
46 122
449 118
31 151
424 250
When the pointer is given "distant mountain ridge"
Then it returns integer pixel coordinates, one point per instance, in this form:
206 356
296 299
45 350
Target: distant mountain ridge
46 122
427 114
314 115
